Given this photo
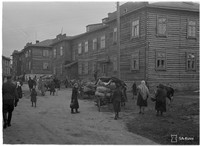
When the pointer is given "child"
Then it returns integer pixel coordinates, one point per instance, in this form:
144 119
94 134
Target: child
33 96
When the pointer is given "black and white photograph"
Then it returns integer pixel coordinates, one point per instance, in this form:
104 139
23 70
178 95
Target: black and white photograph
100 72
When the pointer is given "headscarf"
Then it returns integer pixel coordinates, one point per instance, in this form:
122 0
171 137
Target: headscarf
144 91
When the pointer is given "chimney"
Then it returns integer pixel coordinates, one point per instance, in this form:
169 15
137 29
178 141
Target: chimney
37 41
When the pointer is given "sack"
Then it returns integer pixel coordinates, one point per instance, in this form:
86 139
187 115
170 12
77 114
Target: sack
99 94
71 104
103 89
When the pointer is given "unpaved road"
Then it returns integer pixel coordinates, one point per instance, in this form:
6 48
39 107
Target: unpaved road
52 123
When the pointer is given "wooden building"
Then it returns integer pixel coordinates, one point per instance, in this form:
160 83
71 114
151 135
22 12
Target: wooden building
158 44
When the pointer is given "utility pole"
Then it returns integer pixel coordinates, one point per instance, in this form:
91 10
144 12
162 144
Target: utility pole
118 40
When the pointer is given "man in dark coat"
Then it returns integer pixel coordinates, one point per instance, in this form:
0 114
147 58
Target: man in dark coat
160 96
74 99
134 89
10 98
117 98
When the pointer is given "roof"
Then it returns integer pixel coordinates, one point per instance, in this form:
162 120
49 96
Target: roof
188 6
133 6
45 43
7 58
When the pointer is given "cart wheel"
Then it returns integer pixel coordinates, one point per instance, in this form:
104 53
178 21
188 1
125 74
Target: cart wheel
99 104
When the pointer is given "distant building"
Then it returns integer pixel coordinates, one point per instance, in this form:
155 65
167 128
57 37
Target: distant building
6 66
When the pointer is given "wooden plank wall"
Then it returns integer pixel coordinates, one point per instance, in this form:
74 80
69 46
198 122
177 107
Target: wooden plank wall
176 44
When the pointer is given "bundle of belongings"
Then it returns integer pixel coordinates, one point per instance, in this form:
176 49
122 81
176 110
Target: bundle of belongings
89 88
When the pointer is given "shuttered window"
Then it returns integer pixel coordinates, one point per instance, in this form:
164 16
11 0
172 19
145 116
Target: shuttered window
190 61
135 28
191 30
79 48
161 25
115 36
135 61
160 60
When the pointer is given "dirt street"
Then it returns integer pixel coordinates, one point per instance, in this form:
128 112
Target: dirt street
52 123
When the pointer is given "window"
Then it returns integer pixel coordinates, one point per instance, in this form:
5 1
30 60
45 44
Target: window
86 46
191 30
135 28
29 52
162 26
115 35
45 53
61 51
79 48
135 61
79 68
115 64
190 61
102 42
94 44
160 60
26 54
54 53
73 55
45 65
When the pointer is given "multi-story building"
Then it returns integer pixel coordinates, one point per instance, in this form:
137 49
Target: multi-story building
6 66
158 44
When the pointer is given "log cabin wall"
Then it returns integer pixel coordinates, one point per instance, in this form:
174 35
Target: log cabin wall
175 44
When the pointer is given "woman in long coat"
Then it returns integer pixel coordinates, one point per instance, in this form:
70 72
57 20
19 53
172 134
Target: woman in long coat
74 99
160 96
142 96
134 89
117 98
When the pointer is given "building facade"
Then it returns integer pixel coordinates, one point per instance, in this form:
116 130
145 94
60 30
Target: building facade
158 44
6 66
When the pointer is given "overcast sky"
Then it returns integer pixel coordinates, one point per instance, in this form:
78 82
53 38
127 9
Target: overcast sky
24 22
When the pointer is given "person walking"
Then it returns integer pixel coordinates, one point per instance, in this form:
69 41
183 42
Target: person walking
56 82
33 96
116 99
160 98
142 96
52 87
74 99
134 89
19 90
30 84
10 97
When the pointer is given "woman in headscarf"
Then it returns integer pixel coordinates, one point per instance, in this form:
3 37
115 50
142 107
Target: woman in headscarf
160 96
74 99
142 96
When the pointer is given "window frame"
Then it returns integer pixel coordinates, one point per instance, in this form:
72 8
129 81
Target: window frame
133 26
44 65
103 42
158 23
80 68
54 52
115 35
61 50
188 25
44 53
160 58
193 60
94 44
80 48
86 47
115 66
